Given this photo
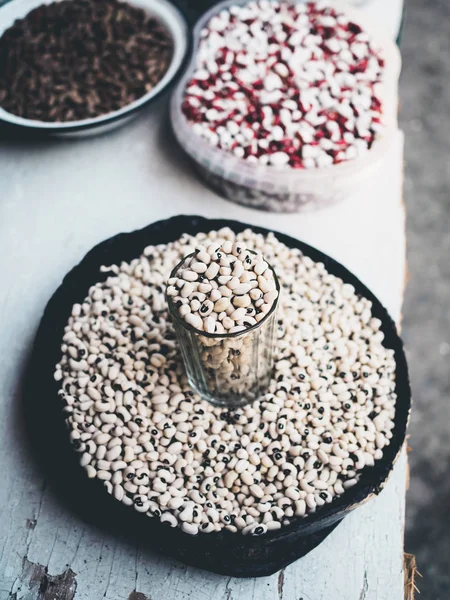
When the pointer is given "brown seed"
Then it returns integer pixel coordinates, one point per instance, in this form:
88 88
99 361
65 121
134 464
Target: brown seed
93 58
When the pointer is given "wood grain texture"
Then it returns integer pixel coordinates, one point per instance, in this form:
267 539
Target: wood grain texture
410 576
59 199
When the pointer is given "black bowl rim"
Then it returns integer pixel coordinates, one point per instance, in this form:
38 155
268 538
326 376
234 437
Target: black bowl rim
68 128
126 246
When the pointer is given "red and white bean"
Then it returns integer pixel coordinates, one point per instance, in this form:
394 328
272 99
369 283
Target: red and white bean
274 79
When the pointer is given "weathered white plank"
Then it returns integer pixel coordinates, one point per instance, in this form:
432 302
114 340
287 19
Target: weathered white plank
58 199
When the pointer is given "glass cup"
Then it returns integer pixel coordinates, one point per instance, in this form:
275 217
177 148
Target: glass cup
227 369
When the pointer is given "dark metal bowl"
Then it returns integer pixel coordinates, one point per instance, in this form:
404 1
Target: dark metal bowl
164 10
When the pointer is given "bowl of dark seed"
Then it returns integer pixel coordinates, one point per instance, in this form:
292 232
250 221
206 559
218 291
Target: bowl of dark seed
289 105
83 66
241 492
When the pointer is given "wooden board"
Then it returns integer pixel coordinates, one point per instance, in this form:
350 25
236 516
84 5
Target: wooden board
58 199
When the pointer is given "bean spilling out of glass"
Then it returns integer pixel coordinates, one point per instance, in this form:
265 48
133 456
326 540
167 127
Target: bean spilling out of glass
80 59
138 426
223 300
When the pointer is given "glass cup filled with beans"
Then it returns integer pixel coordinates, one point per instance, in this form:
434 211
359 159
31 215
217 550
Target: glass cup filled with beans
223 301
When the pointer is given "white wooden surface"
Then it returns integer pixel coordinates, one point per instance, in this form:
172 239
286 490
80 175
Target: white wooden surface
58 199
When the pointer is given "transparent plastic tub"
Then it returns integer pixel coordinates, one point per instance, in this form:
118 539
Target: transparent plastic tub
284 189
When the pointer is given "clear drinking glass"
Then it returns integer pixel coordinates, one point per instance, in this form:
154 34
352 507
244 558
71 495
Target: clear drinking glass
228 369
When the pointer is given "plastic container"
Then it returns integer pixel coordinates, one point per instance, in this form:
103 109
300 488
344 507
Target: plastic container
230 369
283 189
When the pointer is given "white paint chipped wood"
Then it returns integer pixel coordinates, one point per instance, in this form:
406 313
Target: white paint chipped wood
57 200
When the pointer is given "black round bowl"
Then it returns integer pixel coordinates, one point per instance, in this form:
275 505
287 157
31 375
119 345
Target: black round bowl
224 552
